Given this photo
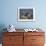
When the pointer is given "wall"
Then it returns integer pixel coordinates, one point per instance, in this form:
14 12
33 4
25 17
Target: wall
8 13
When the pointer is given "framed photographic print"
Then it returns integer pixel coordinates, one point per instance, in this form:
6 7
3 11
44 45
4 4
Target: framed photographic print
26 14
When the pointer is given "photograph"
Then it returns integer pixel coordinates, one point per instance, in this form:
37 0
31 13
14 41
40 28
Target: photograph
26 14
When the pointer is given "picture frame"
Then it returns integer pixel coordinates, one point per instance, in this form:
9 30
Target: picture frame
26 14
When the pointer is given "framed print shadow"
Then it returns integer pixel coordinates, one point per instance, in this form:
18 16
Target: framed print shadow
26 14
